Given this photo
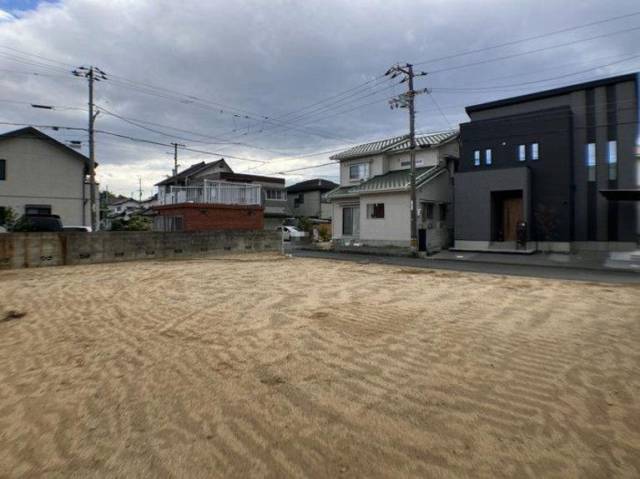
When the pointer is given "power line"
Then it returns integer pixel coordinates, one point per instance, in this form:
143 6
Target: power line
543 80
537 50
53 127
152 142
433 99
523 40
303 168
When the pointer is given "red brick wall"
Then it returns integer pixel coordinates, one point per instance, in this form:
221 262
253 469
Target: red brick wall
207 217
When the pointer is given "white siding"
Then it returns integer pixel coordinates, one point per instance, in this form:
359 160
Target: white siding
41 173
423 158
394 228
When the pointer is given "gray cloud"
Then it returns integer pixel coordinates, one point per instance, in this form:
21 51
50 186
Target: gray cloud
273 57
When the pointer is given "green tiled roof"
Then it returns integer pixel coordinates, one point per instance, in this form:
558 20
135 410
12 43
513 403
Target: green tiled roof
391 181
396 144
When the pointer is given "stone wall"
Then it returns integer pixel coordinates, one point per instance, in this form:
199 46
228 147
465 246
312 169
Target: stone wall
26 250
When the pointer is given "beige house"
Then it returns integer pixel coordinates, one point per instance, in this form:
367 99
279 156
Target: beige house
371 207
40 175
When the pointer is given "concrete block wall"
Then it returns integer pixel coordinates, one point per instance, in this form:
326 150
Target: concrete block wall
26 250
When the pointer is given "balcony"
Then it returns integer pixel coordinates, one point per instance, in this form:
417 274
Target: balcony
213 192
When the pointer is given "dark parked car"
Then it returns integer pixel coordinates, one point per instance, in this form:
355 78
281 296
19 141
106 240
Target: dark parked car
38 223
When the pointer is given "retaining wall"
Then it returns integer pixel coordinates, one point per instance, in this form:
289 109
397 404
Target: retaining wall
26 250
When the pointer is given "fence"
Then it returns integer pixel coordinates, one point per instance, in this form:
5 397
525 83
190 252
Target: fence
25 250
220 192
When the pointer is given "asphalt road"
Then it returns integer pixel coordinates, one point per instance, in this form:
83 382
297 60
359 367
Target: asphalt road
537 271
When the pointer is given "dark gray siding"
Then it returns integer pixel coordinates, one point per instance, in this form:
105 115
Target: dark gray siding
550 175
603 111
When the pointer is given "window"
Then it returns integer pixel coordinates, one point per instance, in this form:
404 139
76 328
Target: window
3 170
3 215
612 159
359 171
37 210
522 152
535 151
427 211
375 210
443 212
347 221
407 163
591 162
476 158
299 200
275 194
488 156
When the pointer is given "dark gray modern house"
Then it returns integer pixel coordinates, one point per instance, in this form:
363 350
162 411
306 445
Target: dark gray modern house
563 162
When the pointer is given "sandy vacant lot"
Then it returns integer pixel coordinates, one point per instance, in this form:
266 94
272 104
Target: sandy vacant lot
269 367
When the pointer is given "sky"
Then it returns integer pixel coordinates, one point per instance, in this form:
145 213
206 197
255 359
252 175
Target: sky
277 85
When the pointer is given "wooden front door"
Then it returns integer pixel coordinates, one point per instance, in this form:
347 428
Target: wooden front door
511 216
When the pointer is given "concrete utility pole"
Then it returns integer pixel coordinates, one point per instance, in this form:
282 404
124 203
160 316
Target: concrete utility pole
175 157
139 188
407 100
92 74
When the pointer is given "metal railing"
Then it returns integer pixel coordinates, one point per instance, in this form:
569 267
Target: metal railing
215 192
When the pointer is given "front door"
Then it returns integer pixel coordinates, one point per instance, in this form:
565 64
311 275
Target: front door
511 216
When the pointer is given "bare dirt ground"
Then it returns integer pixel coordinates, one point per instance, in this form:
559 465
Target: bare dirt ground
260 366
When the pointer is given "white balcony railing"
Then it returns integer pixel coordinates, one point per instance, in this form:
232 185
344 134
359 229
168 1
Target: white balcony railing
219 192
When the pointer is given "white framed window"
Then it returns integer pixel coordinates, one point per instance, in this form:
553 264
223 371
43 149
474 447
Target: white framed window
488 156
612 159
476 158
522 152
535 151
276 194
590 161
359 171
375 210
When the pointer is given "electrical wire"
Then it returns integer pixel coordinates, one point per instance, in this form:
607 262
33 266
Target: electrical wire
527 39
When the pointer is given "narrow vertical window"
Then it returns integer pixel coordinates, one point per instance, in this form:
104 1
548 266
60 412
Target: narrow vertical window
612 159
347 221
3 169
535 151
522 152
488 156
476 158
591 162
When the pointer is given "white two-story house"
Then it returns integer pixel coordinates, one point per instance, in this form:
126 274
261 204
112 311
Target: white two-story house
371 206
40 175
273 194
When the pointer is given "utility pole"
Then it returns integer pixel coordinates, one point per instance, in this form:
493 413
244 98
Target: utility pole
175 157
92 74
407 100
139 188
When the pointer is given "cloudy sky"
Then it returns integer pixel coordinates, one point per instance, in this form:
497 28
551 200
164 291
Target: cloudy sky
284 83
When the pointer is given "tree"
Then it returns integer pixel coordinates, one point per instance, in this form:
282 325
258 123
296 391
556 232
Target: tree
8 218
138 223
